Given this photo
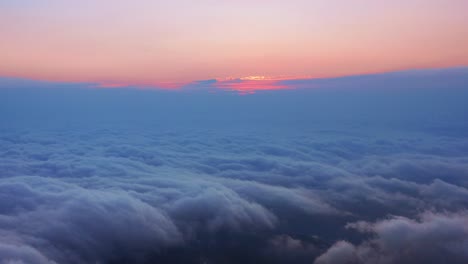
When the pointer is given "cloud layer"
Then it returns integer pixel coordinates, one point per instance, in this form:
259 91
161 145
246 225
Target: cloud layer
223 178
114 197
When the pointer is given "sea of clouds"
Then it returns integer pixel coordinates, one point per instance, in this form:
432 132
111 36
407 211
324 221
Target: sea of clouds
362 170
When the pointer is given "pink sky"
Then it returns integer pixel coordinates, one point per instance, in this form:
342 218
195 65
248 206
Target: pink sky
147 42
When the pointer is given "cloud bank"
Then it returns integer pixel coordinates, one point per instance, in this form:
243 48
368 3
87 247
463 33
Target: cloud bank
434 238
144 177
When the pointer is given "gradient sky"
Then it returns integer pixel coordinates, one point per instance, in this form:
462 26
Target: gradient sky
165 42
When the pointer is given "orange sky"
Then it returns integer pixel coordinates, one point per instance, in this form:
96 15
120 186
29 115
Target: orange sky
147 42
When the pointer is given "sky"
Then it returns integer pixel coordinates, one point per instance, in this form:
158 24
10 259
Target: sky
172 43
256 132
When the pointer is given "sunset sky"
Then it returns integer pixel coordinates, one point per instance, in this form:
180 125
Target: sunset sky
167 43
